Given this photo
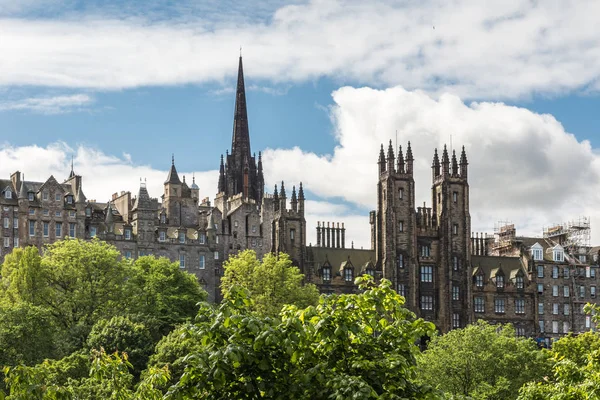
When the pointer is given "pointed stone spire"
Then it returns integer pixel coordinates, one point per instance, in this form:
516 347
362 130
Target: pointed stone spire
260 178
454 164
390 158
109 217
445 162
381 161
435 166
400 167
173 178
300 192
23 190
301 200
211 223
409 159
275 199
294 200
240 142
282 192
221 184
72 174
463 163
79 197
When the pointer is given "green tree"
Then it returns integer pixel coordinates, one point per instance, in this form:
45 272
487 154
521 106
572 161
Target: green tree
23 277
271 283
348 346
481 361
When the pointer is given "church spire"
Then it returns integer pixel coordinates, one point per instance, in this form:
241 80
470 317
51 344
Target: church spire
240 142
173 177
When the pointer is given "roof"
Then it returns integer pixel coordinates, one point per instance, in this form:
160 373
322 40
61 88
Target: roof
173 177
339 258
489 266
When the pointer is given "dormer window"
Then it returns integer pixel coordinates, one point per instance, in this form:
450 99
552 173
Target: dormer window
558 255
537 252
479 281
500 281
327 273
30 196
8 194
519 282
163 219
181 237
127 234
69 199
371 272
348 275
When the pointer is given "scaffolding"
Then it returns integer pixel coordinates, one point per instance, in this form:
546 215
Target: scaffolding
573 235
504 234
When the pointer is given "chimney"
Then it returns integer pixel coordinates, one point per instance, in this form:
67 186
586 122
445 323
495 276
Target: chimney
337 234
328 236
343 236
318 233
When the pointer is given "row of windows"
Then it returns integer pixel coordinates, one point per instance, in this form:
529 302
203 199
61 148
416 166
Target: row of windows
538 254
348 274
588 272
566 290
519 281
46 213
401 263
555 309
58 229
565 326
31 196
454 195
499 305
201 260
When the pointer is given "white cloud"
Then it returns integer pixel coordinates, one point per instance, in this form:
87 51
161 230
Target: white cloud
49 105
523 167
505 49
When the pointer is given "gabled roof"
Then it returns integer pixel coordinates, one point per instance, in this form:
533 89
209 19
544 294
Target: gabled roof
490 266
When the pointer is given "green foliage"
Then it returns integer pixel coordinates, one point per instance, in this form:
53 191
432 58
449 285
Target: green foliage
24 279
123 335
482 361
271 283
576 371
347 347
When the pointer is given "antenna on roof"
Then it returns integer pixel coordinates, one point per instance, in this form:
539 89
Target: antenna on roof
240 51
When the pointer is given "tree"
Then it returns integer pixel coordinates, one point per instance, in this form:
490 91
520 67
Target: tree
271 283
348 346
23 277
481 361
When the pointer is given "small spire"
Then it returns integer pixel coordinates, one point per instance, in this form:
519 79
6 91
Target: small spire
275 194
454 164
400 166
72 174
436 159
381 160
463 156
390 157
282 190
301 192
172 158
409 155
294 197
173 177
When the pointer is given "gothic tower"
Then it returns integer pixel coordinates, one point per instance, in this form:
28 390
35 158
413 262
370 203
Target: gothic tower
395 220
450 199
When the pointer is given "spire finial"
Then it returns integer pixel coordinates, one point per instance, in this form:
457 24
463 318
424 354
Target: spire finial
240 51
193 177
172 158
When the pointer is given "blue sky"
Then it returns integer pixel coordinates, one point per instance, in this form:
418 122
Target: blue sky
122 85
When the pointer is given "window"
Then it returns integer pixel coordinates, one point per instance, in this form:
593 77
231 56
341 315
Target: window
88 212
540 288
163 219
253 228
541 323
479 304
537 255
217 239
235 224
566 272
455 320
30 196
455 229
58 229
57 197
71 213
593 291
44 195
69 199
57 214
16 242
370 272
202 238
519 306
292 234
555 272
566 327
400 193
327 273
348 275
400 260
554 326
162 236
592 272
519 282
566 309
182 261
499 306
15 223
455 263
46 229
92 231
558 255
479 281
128 255
6 242
582 258
555 290
555 308
540 271
8 194
402 290
127 234
427 273
181 237
400 226
202 262
31 228
520 331
500 281
46 212
588 321
6 222
540 308
216 255
581 291
72 230
32 211
455 197
565 291
426 302
425 250
455 292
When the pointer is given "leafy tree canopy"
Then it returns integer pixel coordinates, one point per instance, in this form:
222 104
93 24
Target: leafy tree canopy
272 282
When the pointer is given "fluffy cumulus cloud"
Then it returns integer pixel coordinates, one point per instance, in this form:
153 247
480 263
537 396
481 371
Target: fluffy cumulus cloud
49 105
479 50
523 167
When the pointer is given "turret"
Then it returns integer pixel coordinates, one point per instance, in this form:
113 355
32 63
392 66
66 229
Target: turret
445 162
409 160
463 164
381 161
282 198
260 178
454 164
194 188
221 186
172 184
301 200
390 158
275 199
435 166
400 167
245 178
294 201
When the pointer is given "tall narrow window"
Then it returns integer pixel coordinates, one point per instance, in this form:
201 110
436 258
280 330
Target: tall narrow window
540 308
348 275
455 229
400 260
519 282
426 302
519 306
500 281
202 262
181 237
92 231
402 289
455 263
400 226
15 223
182 261
46 229
427 273
292 234
6 222
72 230
479 281
555 271
455 292
499 306
400 193
479 304
455 197
58 229
540 271
31 228
326 273
455 320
